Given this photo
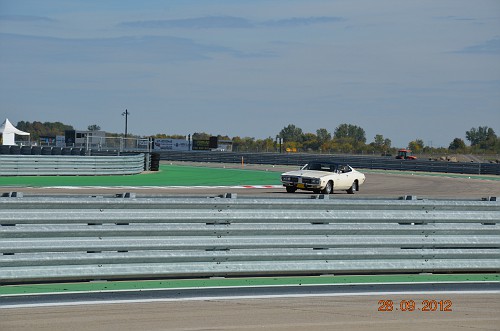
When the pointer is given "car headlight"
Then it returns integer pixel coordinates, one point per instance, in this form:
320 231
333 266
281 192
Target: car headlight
315 181
286 178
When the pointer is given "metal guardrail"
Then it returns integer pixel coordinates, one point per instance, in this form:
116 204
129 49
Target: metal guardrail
62 239
37 165
364 162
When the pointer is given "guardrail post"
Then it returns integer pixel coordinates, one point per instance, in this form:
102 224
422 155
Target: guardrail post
12 195
126 195
229 195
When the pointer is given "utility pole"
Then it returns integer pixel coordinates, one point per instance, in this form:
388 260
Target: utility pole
126 113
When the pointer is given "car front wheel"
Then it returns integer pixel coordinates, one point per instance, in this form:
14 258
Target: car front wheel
328 188
291 189
353 188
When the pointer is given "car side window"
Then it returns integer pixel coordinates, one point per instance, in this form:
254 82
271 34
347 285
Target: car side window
346 169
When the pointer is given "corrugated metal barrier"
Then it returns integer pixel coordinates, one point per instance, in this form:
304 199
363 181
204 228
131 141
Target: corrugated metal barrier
364 162
38 165
124 237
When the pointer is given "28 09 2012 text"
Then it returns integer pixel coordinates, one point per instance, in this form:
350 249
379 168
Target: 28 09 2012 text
427 305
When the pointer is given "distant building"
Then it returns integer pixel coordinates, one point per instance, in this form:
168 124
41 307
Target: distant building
225 145
77 138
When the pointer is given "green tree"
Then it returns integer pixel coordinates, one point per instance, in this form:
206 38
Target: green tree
381 144
343 147
291 133
237 143
457 145
310 142
491 139
246 144
37 129
350 132
349 137
378 141
496 147
221 137
94 127
267 145
201 136
387 143
176 136
416 145
323 136
482 137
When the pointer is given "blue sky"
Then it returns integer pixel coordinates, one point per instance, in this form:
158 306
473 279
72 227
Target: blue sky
405 69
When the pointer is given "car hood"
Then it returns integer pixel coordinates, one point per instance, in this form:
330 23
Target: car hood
307 173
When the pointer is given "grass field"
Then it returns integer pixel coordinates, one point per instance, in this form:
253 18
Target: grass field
169 175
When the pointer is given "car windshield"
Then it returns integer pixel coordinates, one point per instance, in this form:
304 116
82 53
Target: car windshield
330 167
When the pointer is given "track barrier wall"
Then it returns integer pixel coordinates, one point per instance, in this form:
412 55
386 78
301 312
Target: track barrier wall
152 160
360 162
48 239
54 165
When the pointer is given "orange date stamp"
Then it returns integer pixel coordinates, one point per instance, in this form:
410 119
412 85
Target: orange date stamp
412 305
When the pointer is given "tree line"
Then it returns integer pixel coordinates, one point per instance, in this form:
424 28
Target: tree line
46 129
346 138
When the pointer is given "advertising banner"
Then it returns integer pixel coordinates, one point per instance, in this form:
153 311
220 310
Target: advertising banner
201 145
171 144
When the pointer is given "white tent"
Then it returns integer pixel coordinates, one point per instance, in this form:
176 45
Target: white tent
8 131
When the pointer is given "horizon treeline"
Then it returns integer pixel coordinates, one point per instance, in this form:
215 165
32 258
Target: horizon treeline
346 138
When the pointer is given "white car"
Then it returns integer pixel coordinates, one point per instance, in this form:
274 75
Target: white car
323 177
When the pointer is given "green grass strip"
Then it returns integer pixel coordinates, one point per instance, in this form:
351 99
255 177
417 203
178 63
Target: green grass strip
169 175
175 175
240 282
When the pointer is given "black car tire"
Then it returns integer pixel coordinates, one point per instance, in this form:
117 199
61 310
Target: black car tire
328 188
353 188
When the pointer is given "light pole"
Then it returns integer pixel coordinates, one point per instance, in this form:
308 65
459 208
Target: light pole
126 113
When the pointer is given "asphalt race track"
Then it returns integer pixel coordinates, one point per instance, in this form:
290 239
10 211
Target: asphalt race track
377 185
352 311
